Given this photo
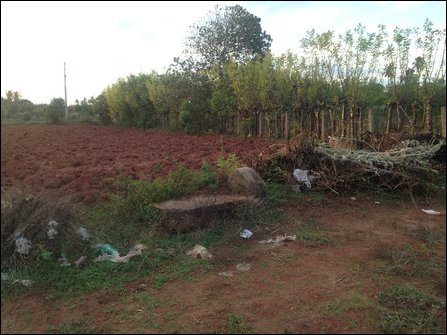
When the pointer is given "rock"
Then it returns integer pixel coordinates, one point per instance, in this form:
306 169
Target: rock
199 211
247 181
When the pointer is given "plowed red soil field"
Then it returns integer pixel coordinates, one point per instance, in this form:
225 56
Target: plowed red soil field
78 159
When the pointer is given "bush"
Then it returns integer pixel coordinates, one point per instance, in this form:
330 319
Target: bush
26 116
27 215
226 166
134 198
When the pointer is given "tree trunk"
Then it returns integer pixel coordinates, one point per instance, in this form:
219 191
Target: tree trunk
323 125
342 118
317 121
351 122
370 120
427 119
388 120
443 122
238 125
331 122
260 124
360 124
413 117
398 117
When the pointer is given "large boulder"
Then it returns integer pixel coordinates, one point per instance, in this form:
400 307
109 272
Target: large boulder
247 181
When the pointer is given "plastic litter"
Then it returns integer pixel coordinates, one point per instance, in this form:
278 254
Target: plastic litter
243 267
80 261
430 211
23 245
199 252
53 223
303 176
246 233
112 255
226 274
51 233
83 233
5 276
353 198
24 282
64 261
106 248
279 239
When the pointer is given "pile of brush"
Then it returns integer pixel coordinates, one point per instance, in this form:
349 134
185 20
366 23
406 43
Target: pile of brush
343 168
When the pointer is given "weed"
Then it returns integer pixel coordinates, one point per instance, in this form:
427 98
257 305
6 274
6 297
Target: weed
333 308
352 301
236 325
278 194
160 280
225 166
431 237
410 311
311 234
406 261
80 326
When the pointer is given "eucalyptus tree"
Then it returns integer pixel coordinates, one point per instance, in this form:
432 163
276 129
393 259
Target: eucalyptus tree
223 99
431 67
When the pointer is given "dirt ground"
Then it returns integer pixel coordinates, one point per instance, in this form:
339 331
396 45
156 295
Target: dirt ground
294 287
78 159
291 288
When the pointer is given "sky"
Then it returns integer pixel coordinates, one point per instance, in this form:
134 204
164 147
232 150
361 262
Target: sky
103 41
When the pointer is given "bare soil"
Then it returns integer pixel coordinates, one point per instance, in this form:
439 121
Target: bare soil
292 288
79 159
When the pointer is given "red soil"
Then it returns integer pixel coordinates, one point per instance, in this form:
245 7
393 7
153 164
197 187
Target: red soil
77 159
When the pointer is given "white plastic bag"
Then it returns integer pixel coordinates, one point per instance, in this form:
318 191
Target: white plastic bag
23 245
303 176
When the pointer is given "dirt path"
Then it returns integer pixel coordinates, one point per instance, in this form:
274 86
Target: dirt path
328 285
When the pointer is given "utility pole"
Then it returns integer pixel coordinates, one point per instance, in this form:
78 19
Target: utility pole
65 86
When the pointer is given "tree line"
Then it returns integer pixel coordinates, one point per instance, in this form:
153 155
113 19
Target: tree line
227 81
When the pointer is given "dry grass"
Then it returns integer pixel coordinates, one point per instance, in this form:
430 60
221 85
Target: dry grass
27 214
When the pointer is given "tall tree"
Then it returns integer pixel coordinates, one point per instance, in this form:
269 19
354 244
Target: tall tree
228 32
56 109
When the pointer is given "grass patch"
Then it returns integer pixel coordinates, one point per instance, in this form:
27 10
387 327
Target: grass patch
235 324
80 326
411 311
352 301
406 261
127 218
430 237
312 234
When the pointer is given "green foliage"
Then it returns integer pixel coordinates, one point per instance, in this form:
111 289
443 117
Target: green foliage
410 311
189 121
56 110
133 199
227 165
311 234
80 326
236 324
26 116
128 102
406 261
228 30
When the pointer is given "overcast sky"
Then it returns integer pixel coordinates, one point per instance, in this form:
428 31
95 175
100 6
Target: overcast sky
101 42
